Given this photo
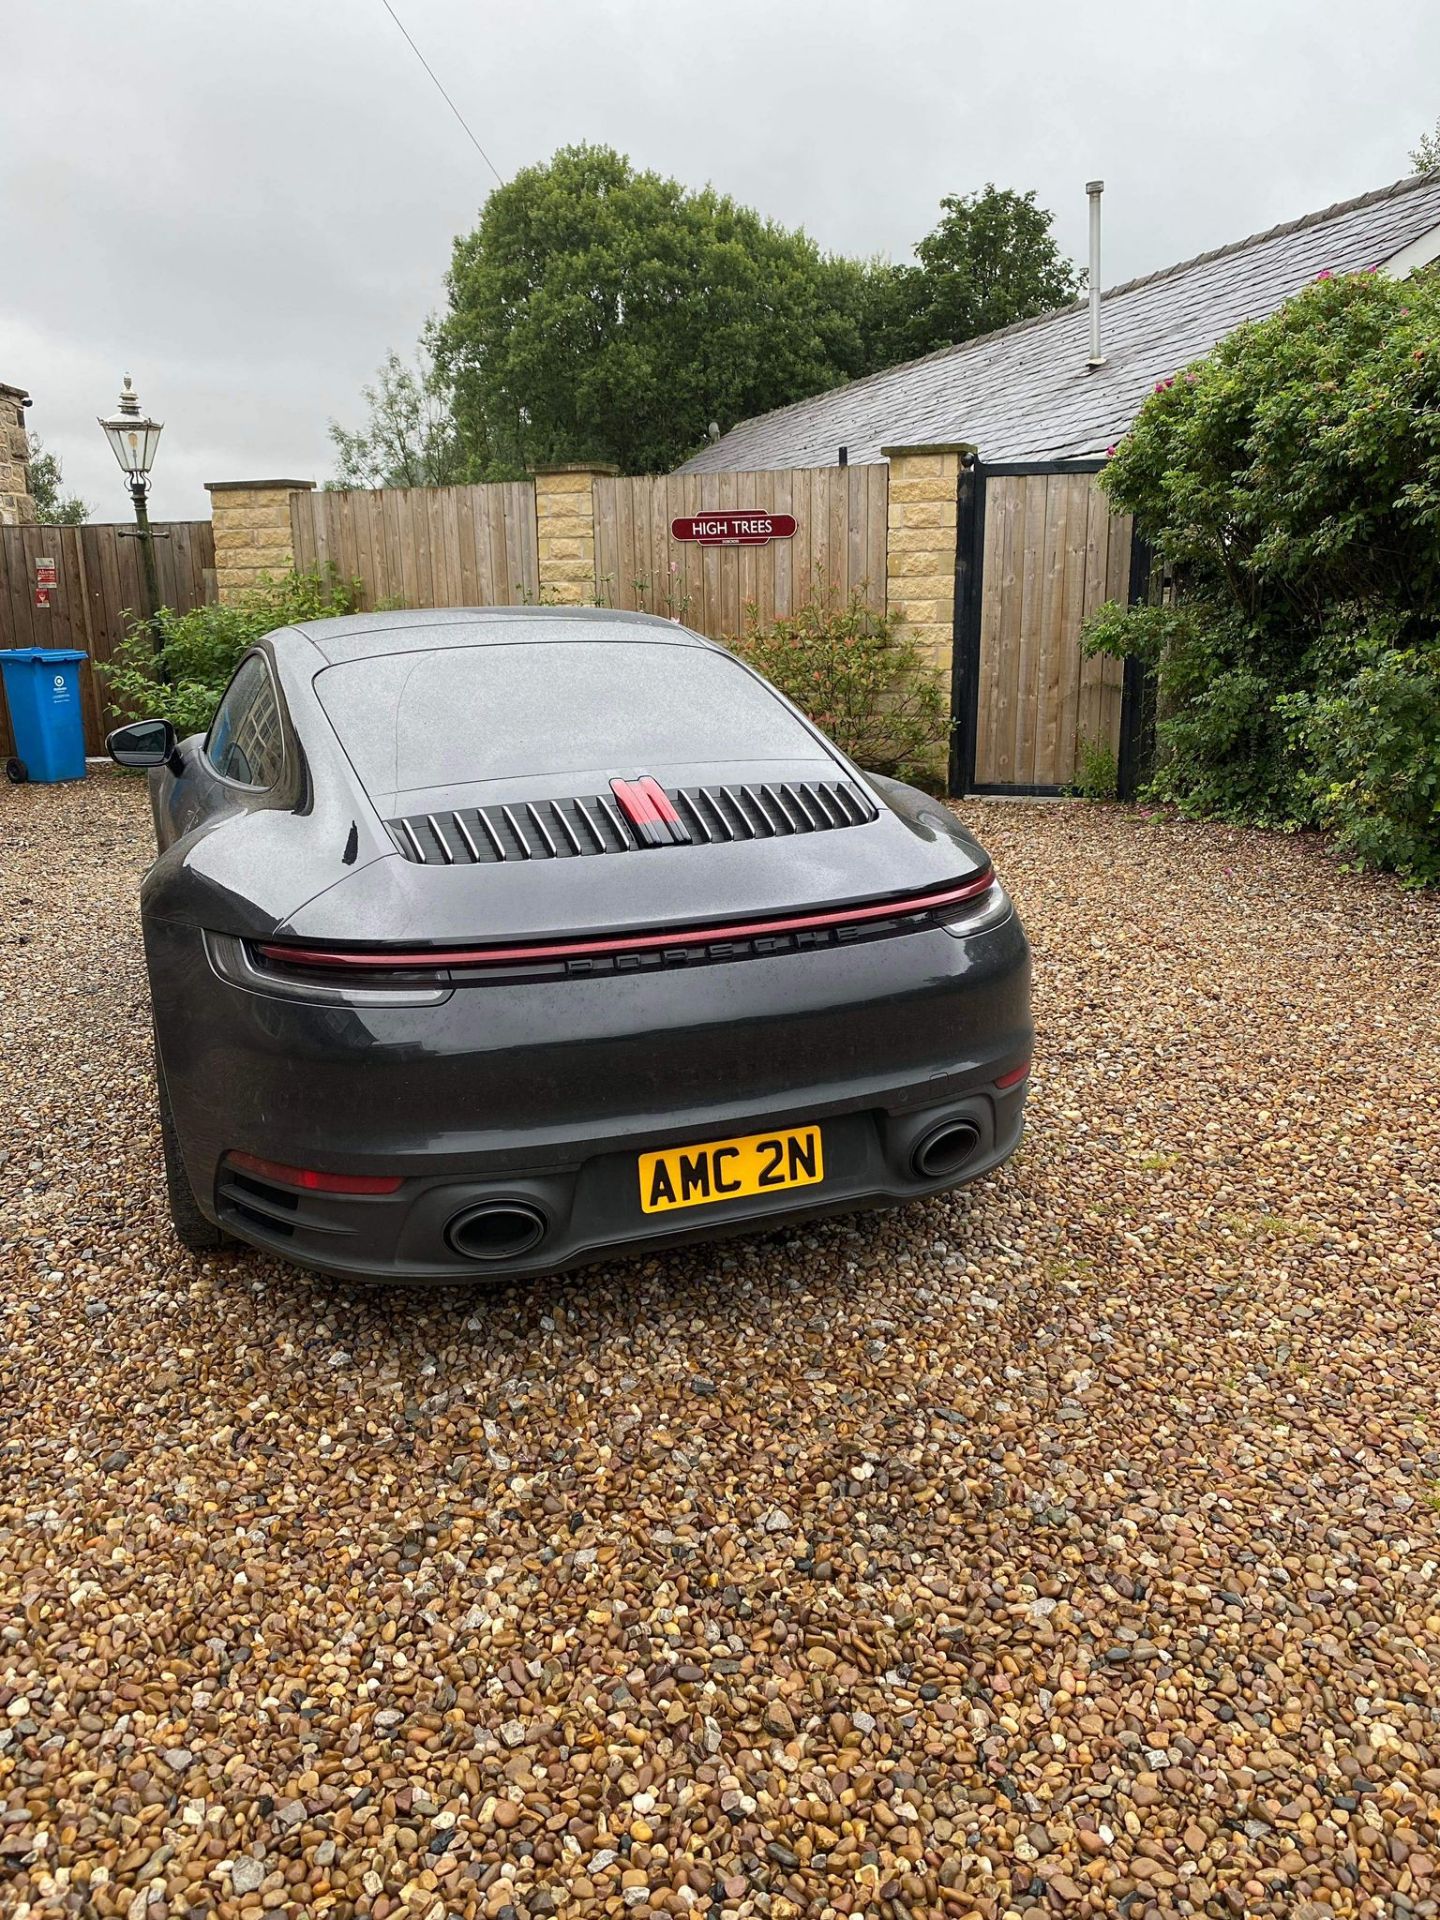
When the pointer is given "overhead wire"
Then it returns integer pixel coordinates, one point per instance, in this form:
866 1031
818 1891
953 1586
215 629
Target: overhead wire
441 91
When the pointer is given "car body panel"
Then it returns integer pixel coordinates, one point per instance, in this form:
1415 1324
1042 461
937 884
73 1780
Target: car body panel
548 1088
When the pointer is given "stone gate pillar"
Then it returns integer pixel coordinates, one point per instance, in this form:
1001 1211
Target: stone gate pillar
565 531
920 543
250 520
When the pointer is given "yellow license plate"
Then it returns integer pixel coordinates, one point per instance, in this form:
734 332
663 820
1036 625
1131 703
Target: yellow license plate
730 1169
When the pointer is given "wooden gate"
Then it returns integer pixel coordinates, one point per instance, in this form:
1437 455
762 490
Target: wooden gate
99 580
1037 551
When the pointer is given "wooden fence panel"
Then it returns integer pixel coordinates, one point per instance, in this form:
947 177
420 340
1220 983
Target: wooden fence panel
1053 553
100 584
424 546
838 547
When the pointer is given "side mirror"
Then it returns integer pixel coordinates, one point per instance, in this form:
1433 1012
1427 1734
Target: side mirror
145 743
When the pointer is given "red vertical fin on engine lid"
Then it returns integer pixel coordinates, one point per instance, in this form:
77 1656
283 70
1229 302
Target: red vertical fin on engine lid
665 807
650 830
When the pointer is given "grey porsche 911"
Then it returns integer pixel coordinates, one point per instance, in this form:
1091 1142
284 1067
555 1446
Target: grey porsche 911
486 942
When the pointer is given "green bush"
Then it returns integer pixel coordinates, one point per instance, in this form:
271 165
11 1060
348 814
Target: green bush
847 667
1225 747
1098 776
1367 749
1291 484
184 680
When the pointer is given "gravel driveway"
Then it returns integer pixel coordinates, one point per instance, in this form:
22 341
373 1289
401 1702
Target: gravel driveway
1070 1545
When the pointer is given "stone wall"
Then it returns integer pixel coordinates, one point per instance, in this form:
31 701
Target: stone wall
565 532
253 540
920 543
16 506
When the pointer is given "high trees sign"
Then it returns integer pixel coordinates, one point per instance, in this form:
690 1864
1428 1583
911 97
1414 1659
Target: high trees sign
749 529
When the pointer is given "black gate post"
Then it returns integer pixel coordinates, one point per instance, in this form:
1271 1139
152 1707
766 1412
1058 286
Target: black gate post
1136 721
965 643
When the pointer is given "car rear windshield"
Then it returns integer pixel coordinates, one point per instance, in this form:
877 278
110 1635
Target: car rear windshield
458 715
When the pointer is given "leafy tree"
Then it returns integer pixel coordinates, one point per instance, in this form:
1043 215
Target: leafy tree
1425 154
409 439
601 313
53 507
1292 484
991 260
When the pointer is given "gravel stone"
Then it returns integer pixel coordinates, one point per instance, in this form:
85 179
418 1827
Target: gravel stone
1065 1545
247 1875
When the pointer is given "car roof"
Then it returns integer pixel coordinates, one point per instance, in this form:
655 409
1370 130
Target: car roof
360 636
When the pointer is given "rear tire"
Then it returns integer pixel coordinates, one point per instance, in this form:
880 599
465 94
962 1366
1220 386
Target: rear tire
192 1229
16 771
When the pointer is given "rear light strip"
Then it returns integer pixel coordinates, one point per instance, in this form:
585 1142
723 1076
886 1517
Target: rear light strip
333 958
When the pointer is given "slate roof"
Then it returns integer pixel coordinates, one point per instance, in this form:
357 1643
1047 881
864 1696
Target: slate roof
1025 393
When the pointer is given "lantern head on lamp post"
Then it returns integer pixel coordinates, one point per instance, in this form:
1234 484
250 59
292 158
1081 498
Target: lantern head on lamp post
134 440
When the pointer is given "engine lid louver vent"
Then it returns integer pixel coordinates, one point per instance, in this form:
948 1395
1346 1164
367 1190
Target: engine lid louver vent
597 823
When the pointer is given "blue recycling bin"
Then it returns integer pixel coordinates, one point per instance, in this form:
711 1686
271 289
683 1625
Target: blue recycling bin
42 691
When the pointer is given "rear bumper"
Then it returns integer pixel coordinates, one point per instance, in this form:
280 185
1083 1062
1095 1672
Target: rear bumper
592 1211
544 1094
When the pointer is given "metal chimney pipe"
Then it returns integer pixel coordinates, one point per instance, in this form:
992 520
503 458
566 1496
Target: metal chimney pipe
1095 188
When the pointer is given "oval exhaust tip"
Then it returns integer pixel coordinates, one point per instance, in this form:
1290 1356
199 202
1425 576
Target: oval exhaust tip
497 1230
945 1150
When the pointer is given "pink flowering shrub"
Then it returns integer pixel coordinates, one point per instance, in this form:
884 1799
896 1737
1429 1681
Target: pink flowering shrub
1290 484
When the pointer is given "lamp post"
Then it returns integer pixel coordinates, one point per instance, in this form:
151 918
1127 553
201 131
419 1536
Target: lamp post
134 439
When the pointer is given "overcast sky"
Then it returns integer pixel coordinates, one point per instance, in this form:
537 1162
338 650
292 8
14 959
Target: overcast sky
246 202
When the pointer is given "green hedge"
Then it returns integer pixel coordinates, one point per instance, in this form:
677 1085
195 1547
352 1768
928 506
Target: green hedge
1291 482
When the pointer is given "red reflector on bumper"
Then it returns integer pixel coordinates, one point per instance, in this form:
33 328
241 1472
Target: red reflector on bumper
310 1181
1014 1078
